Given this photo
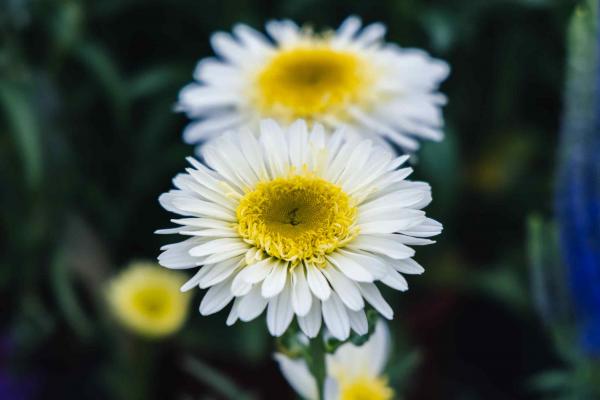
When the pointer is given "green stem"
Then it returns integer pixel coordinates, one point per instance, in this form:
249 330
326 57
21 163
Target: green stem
316 362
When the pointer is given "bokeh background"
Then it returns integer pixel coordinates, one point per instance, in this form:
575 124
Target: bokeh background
89 139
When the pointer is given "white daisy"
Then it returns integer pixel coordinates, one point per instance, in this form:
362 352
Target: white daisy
350 76
353 372
297 222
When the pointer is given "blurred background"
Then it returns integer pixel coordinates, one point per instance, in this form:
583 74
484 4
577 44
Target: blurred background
89 140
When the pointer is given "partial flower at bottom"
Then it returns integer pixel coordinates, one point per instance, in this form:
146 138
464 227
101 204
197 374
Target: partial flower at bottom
353 372
297 222
146 299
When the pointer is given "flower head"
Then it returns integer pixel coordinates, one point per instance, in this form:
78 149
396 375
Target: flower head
347 77
299 222
353 372
146 299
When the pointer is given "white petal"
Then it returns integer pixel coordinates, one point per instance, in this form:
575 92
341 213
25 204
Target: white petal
283 32
350 267
257 272
218 257
298 376
395 280
356 162
339 162
298 138
345 288
311 322
413 241
407 220
253 153
254 40
336 317
348 28
211 233
374 262
211 180
275 147
408 266
332 389
389 226
382 244
358 322
223 245
239 287
275 280
228 48
251 305
194 206
170 231
193 281
176 255
216 73
216 298
317 282
428 228
195 99
377 348
217 159
381 128
218 273
301 296
371 293
370 34
392 202
280 312
233 314
206 128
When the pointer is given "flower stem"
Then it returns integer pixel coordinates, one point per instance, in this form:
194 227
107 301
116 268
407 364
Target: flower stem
316 362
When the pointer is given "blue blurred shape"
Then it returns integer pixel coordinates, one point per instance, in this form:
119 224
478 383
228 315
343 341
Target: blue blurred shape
578 189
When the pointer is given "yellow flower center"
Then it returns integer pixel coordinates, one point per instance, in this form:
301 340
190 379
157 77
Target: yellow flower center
152 302
301 217
366 388
310 80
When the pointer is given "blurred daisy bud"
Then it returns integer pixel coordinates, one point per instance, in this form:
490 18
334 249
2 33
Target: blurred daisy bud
146 299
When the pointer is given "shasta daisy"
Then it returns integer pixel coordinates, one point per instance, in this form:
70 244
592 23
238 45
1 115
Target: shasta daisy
347 77
299 222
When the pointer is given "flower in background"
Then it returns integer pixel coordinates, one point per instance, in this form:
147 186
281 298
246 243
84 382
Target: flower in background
347 77
146 299
300 222
353 372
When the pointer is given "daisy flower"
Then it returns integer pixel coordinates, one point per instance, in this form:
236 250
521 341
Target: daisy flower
146 299
347 77
353 372
297 222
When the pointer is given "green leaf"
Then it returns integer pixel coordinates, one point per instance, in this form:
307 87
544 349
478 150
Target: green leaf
67 298
24 127
102 68
405 367
153 80
547 273
439 163
551 381
66 28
